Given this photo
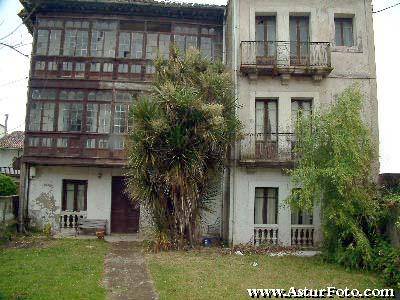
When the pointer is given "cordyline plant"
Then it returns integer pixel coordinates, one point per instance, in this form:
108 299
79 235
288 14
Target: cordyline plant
335 157
179 142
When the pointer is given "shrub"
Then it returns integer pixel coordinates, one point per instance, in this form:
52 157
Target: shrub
386 260
335 154
7 186
179 144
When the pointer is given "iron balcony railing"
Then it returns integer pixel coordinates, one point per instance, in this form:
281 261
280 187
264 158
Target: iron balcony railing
274 147
282 54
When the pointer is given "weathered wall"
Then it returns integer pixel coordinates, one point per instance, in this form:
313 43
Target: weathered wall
246 181
352 66
45 192
7 156
45 196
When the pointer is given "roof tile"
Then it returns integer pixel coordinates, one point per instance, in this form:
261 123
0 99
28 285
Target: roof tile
14 140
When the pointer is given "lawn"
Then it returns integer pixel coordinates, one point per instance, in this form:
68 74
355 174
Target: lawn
52 269
210 275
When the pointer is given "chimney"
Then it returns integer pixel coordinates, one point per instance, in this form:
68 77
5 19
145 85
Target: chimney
5 123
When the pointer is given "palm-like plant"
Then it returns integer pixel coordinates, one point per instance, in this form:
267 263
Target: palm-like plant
180 138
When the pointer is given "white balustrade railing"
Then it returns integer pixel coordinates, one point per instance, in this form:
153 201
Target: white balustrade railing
265 234
70 219
303 235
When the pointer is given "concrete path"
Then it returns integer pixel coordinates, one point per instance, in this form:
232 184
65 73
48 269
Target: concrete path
126 273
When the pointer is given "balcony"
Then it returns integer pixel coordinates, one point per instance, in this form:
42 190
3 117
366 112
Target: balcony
268 150
286 58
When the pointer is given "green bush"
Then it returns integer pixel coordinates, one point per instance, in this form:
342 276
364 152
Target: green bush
7 186
386 260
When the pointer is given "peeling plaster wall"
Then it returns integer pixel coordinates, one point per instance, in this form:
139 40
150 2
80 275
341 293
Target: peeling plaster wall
45 193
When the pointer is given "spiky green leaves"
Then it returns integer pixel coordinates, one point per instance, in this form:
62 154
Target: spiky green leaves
179 141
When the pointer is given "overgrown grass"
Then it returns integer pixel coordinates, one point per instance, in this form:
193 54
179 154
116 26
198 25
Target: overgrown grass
209 275
53 269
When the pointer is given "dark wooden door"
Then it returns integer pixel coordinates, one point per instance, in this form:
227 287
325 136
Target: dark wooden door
124 216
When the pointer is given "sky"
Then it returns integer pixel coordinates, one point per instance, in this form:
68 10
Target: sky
14 70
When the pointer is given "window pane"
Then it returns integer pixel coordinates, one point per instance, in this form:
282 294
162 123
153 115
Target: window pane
70 194
33 142
164 44
179 41
150 69
137 45
191 42
151 46
124 97
104 118
52 66
70 117
123 68
69 42
76 117
82 39
338 33
90 144
95 67
124 44
40 65
120 118
206 47
63 117
259 206
119 143
110 43
96 47
44 94
55 40
103 144
91 117
48 117
272 117
62 142
42 42
260 113
67 66
47 142
266 206
108 67
136 69
348 33
35 116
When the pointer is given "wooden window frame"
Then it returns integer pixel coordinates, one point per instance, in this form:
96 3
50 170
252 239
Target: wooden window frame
340 21
64 195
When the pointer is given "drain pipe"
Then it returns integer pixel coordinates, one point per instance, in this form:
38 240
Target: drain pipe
235 50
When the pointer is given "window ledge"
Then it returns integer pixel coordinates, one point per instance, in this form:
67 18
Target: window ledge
346 49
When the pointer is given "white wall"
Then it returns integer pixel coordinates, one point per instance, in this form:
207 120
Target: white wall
45 192
7 156
353 65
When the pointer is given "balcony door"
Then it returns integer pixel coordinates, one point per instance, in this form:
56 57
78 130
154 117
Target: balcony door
266 129
299 41
266 40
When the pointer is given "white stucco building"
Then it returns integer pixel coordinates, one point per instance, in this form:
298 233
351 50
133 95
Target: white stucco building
11 148
288 57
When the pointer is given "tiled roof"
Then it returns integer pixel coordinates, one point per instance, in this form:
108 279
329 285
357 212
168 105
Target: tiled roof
14 140
149 8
